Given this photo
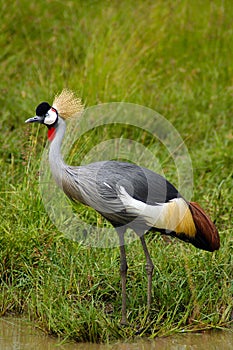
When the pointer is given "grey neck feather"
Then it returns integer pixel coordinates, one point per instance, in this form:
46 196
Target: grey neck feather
56 161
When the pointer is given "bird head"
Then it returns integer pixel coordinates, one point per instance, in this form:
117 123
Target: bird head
207 236
45 114
65 105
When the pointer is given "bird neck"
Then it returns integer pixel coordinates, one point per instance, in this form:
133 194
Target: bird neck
56 161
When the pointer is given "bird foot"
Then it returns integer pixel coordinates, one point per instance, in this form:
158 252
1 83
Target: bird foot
124 322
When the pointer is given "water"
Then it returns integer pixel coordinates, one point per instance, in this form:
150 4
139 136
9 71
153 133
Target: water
15 334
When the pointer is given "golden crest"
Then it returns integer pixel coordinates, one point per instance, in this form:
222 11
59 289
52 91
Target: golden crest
67 104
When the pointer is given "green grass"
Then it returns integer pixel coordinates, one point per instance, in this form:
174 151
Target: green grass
174 57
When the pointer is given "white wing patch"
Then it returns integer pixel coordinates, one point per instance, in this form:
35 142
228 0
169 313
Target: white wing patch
173 215
106 184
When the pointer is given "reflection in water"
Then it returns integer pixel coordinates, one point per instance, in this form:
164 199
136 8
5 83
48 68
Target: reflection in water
15 334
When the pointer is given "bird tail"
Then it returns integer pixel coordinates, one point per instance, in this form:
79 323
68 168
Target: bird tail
207 236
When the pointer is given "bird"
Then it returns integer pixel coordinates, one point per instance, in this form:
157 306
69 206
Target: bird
126 194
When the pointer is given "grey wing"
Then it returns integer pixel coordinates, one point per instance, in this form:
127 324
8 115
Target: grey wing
97 185
83 184
141 183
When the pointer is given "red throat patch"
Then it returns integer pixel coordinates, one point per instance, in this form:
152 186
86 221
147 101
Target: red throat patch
51 133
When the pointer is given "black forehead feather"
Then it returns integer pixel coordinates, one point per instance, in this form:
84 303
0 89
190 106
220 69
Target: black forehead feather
42 109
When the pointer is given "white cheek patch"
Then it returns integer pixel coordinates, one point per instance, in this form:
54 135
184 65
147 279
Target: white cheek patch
51 117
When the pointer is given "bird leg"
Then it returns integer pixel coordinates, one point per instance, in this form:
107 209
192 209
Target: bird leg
149 271
123 270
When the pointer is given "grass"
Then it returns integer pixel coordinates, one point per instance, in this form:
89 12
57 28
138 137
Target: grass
173 57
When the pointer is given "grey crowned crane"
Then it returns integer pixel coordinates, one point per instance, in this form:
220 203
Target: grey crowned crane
127 195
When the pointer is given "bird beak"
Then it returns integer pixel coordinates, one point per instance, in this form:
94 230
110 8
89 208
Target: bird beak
36 119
